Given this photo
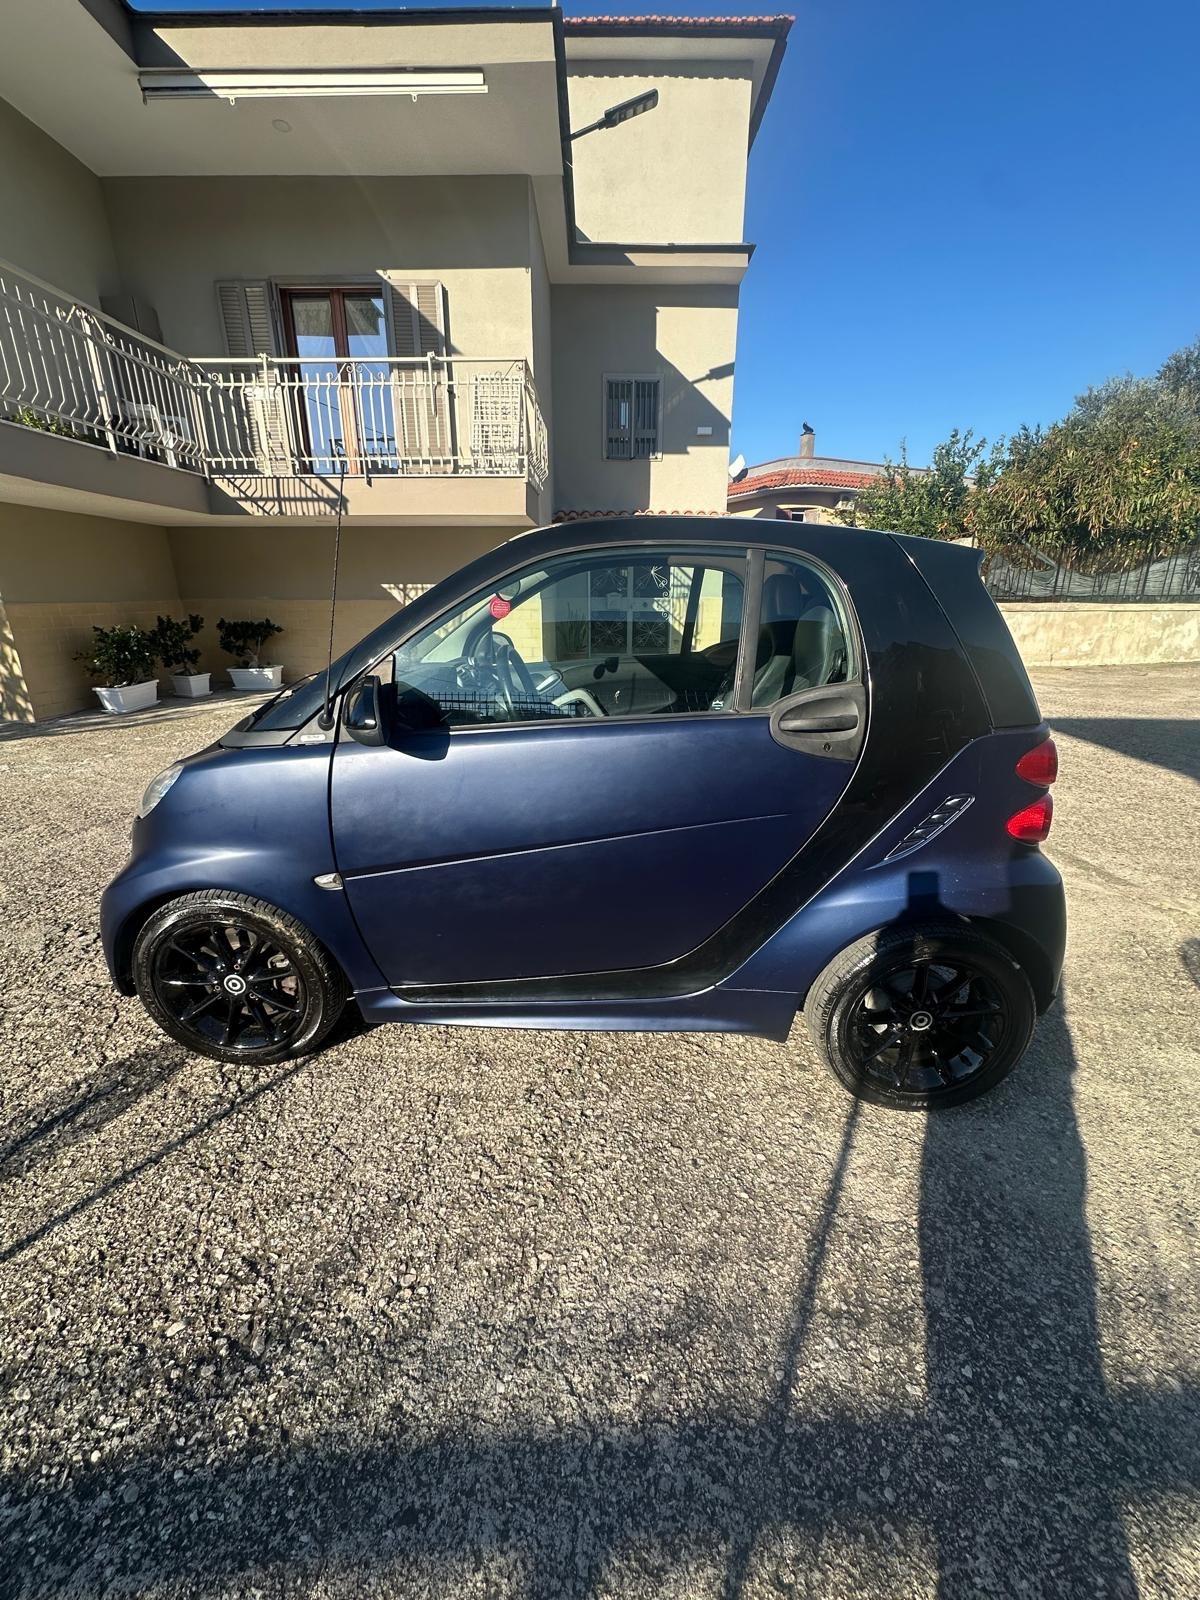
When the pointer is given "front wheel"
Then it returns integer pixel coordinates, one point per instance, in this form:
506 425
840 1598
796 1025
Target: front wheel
236 979
921 1017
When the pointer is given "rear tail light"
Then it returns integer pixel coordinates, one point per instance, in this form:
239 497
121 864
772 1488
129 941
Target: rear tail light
1039 766
1032 824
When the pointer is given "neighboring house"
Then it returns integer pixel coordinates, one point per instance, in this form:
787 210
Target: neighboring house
240 251
802 488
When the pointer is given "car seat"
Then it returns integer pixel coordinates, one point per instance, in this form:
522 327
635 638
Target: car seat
800 643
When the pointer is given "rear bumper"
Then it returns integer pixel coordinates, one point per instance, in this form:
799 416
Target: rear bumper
1034 928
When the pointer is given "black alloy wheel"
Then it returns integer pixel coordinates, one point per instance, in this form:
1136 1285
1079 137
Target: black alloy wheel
230 985
236 979
921 1017
926 1027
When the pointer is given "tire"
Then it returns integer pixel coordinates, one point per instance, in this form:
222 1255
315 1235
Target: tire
921 1018
235 979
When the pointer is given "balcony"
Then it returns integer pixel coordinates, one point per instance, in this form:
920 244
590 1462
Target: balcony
399 438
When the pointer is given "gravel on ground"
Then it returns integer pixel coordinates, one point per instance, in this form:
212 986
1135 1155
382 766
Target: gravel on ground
449 1313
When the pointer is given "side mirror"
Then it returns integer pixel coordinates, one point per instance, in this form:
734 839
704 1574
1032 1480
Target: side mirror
363 716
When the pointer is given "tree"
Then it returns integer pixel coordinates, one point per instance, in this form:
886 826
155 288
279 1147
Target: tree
942 501
1180 375
1120 471
244 639
1117 479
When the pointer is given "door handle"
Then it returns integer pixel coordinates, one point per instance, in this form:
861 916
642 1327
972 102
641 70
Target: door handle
801 721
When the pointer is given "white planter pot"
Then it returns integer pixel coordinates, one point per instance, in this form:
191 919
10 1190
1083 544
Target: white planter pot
256 677
191 685
133 697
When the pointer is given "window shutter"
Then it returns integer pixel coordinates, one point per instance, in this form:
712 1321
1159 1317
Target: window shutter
422 406
246 317
418 318
261 429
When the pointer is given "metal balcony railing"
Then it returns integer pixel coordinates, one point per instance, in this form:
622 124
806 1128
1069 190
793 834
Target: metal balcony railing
68 369
427 417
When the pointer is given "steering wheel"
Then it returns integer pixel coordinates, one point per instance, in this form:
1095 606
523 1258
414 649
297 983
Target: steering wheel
511 672
511 675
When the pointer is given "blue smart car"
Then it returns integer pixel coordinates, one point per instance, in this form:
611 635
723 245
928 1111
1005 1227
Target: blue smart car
669 773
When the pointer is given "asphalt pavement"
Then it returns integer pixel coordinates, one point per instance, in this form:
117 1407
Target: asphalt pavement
475 1313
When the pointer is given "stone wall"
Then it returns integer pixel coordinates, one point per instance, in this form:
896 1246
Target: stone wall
1083 634
62 573
60 576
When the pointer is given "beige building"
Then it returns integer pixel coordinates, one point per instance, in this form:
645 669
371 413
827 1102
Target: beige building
251 265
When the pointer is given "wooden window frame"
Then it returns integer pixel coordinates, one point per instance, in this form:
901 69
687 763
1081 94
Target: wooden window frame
335 293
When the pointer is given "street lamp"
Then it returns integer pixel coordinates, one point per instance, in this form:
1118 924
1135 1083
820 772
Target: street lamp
637 105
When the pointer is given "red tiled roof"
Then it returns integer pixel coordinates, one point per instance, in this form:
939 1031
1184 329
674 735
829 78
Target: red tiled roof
635 24
801 478
586 516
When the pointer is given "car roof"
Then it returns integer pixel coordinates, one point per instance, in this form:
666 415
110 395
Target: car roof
574 532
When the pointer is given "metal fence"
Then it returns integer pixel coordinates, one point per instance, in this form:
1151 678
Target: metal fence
1029 573
67 369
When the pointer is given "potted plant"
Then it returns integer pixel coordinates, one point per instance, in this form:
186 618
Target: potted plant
123 659
172 643
28 418
244 640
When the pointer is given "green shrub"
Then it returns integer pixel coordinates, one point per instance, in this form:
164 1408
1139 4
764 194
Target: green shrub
28 418
120 656
172 643
245 639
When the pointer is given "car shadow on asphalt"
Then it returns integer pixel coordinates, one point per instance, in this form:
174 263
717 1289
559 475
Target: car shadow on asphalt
1038 1458
61 1122
92 1114
1013 1467
1171 742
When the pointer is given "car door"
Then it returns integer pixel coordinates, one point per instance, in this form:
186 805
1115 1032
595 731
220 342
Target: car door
586 771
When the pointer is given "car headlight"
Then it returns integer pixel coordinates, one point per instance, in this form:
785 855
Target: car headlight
157 787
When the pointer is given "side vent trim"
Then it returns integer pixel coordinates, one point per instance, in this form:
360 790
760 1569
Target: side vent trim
938 820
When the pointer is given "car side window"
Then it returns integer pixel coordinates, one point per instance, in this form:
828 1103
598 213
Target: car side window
603 633
803 638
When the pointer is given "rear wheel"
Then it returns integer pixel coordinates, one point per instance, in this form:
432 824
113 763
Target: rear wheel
236 979
921 1017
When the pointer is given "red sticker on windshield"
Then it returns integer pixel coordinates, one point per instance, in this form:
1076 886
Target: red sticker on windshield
500 607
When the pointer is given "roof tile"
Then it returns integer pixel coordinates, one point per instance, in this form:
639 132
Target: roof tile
588 515
634 24
801 477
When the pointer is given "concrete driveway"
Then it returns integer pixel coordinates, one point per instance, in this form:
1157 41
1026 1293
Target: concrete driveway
486 1314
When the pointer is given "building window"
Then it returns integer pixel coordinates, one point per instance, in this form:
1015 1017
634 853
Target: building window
631 411
339 337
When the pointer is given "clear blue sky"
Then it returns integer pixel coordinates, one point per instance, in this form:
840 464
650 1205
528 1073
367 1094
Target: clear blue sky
966 211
